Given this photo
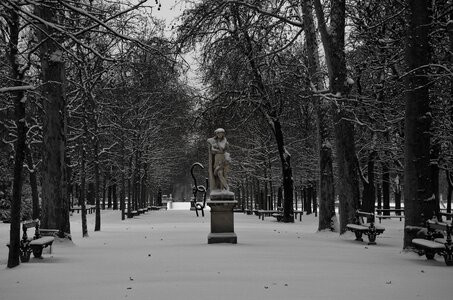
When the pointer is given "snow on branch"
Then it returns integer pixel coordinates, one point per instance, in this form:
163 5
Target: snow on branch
17 88
107 27
267 13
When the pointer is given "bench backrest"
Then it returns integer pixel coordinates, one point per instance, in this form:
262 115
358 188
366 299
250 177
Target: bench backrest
442 226
363 214
30 224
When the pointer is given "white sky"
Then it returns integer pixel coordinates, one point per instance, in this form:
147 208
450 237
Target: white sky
169 11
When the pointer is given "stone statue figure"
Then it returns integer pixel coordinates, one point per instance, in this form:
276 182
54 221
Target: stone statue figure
219 162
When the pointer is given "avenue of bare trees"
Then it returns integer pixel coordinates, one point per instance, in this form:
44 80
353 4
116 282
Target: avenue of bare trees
351 98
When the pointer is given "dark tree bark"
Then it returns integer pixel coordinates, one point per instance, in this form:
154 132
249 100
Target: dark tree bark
379 196
288 188
19 155
97 180
333 41
326 178
123 181
129 190
33 184
434 168
55 205
83 189
449 191
386 187
109 196
418 194
114 196
104 190
397 194
369 191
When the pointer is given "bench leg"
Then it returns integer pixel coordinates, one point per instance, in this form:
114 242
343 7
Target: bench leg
372 239
449 259
429 254
25 255
358 236
37 252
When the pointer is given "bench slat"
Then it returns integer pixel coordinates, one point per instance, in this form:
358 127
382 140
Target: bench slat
357 227
42 241
428 244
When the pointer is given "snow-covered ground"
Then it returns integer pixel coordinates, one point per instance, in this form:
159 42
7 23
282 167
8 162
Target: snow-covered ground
165 255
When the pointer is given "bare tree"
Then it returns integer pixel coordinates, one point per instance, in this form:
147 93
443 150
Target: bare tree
326 176
334 48
418 193
20 98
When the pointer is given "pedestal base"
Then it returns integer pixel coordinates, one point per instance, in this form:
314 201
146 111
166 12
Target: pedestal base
222 222
224 237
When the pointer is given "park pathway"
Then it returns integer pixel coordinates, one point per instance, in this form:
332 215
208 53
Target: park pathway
165 255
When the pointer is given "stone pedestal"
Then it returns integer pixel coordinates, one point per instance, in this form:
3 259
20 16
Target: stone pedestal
222 221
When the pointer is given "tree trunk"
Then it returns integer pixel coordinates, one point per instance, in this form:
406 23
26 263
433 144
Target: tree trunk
55 205
434 204
123 181
379 196
385 187
83 189
348 172
397 194
326 178
114 195
129 188
333 41
417 179
109 197
33 184
97 180
285 159
104 187
449 191
369 191
19 155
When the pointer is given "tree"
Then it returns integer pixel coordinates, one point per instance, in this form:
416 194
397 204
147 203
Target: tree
55 204
20 98
242 66
326 176
333 42
418 193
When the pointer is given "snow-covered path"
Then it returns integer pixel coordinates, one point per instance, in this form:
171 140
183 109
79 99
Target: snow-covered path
165 255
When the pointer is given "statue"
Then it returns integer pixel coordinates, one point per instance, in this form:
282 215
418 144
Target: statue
221 200
219 161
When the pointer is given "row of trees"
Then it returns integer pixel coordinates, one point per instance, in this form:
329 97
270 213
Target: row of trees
353 93
357 94
90 92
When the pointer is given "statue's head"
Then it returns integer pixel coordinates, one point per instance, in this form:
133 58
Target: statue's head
219 132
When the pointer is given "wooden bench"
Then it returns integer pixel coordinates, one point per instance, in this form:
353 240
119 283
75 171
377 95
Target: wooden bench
436 241
159 207
300 213
361 227
261 213
448 215
89 209
397 213
279 215
42 238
